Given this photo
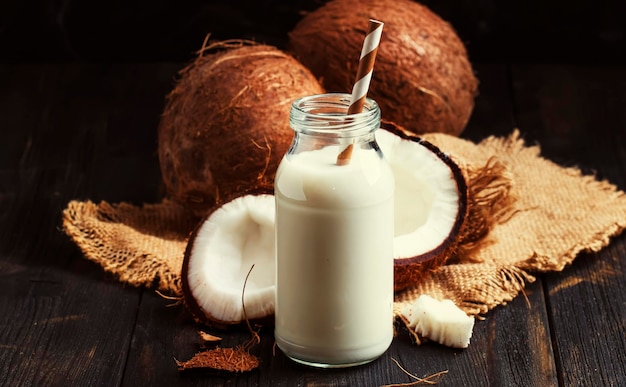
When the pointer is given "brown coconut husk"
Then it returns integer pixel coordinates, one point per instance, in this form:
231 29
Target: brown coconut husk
490 202
236 360
225 125
423 79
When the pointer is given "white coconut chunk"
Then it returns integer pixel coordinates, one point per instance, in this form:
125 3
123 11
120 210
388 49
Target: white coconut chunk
426 195
235 237
440 321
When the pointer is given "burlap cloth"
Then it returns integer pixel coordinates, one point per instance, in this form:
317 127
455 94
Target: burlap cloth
558 213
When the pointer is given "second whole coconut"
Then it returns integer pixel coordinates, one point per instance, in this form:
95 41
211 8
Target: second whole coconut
423 79
225 126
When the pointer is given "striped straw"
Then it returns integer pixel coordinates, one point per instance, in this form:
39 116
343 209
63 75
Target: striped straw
363 78
366 66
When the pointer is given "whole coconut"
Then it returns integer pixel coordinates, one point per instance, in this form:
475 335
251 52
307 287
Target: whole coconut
225 126
422 79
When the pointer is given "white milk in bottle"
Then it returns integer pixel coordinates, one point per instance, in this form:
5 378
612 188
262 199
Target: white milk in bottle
334 237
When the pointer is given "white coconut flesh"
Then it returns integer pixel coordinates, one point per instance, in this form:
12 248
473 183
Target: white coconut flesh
426 195
220 255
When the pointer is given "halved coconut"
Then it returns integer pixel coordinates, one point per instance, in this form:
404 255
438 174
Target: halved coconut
430 204
221 253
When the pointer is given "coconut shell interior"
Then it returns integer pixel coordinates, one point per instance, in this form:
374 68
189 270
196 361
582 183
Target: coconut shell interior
206 315
409 270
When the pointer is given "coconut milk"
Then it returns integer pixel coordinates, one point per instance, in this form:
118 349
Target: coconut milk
334 232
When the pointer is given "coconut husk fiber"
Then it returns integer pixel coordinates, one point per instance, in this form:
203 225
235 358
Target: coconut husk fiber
540 217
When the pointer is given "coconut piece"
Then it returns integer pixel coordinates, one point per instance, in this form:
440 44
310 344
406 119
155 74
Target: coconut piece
430 203
219 257
424 79
440 321
207 337
225 126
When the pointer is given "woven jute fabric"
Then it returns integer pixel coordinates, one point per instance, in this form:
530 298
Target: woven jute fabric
557 213
141 245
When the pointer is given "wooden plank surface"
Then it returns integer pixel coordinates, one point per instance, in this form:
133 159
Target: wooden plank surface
72 131
577 115
65 322
58 328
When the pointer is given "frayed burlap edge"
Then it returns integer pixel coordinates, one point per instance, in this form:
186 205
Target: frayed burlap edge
140 245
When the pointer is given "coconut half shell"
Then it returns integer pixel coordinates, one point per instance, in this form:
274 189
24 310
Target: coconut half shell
430 204
422 79
232 247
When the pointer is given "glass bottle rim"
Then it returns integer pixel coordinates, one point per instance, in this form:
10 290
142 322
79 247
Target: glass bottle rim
326 114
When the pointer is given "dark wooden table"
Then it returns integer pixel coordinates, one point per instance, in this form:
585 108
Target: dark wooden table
73 131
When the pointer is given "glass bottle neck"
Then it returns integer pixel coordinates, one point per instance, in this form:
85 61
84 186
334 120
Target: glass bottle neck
325 116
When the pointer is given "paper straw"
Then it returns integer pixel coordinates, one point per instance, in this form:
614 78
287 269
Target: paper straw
366 66
363 77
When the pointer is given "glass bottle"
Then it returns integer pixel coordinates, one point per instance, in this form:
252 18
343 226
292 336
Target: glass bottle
334 236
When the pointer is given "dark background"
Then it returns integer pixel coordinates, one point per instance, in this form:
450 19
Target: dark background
572 31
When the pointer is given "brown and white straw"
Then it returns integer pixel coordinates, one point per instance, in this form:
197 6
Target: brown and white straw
363 78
